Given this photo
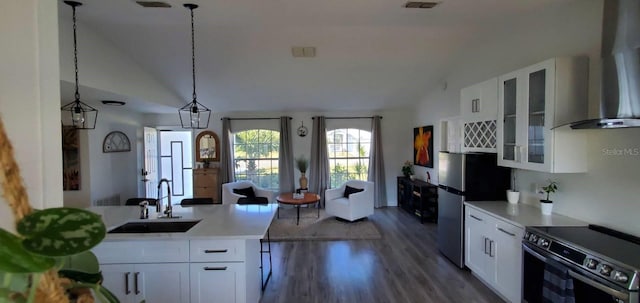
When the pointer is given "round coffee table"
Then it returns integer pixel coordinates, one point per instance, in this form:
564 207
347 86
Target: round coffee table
287 198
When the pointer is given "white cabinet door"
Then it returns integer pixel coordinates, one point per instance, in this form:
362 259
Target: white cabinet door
480 101
118 278
508 260
532 102
477 243
223 281
167 282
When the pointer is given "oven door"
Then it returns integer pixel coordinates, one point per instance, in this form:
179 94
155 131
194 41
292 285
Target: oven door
585 288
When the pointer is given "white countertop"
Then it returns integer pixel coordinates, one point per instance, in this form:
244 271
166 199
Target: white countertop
523 214
231 221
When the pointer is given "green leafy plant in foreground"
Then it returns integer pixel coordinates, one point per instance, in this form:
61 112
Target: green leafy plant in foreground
55 238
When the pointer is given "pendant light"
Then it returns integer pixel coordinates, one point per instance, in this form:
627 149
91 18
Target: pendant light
82 116
194 115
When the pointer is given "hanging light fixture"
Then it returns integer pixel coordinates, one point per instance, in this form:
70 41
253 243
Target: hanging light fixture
82 115
194 115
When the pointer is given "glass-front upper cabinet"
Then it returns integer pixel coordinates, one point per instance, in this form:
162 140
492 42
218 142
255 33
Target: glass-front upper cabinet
534 104
536 113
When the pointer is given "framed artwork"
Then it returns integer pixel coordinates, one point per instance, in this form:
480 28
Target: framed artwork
423 146
70 159
116 141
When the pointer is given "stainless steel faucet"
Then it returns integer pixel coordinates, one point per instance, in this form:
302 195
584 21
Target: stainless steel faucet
169 210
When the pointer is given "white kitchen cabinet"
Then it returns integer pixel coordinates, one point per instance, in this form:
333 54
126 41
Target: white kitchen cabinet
532 101
480 101
477 245
479 112
182 271
508 259
493 252
155 282
223 281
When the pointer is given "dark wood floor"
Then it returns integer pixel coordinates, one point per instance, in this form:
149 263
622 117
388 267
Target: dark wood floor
403 266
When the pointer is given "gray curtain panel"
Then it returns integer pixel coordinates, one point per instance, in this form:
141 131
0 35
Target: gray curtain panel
376 164
226 154
319 162
285 161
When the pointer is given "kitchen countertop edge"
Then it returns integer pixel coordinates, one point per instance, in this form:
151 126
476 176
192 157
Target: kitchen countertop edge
523 214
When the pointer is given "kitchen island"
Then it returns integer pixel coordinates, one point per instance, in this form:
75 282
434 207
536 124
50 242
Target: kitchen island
216 260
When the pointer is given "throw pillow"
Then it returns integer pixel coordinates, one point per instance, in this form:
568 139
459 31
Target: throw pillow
255 200
247 192
348 190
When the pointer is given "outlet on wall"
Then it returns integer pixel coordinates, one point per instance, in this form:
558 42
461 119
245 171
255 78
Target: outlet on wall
539 191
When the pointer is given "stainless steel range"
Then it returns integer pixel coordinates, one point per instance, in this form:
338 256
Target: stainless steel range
602 263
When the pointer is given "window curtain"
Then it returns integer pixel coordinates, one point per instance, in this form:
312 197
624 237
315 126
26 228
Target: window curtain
376 164
226 154
319 162
285 160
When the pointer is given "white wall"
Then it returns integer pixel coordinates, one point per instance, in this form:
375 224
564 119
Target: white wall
395 134
107 174
30 98
103 66
607 193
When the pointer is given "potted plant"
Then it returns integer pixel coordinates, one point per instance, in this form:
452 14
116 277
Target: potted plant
513 195
407 169
302 163
48 258
546 205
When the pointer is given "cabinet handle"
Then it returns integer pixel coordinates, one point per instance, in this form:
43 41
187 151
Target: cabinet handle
491 248
215 251
126 283
135 282
215 268
485 245
472 216
506 232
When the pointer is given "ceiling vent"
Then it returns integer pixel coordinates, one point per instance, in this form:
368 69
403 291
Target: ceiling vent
153 4
421 4
303 51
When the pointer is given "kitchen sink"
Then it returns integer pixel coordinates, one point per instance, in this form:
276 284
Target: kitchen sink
154 227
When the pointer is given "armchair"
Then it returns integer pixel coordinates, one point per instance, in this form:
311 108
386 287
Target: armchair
358 205
231 197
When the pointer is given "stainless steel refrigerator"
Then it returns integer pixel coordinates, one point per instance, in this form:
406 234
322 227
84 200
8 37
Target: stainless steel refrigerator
465 177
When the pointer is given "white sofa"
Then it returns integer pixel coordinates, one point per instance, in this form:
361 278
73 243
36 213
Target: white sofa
357 206
229 197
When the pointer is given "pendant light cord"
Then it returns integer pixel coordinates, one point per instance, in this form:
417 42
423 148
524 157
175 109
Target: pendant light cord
75 52
193 57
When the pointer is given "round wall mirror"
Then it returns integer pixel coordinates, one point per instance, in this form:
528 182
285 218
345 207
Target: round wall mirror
207 146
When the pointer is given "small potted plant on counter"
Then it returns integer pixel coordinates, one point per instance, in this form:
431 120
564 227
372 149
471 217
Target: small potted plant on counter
513 195
546 205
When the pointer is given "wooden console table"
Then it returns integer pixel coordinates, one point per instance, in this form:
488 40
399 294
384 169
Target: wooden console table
419 198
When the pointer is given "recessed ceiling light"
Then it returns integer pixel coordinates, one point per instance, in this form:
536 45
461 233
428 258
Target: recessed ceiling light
421 4
153 4
113 103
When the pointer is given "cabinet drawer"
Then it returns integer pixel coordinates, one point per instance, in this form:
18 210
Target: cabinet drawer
109 252
477 215
509 230
217 250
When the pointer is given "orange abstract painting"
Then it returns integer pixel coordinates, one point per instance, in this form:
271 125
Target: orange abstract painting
423 146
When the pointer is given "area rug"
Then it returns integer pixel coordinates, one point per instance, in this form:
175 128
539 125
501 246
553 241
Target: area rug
324 228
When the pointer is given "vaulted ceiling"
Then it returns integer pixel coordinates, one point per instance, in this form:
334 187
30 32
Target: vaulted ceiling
370 54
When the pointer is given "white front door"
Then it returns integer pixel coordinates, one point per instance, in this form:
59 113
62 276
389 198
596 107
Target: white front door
150 171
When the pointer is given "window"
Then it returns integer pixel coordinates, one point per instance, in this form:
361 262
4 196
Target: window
348 155
256 157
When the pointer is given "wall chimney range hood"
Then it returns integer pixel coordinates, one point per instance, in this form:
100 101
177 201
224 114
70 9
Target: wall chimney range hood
620 76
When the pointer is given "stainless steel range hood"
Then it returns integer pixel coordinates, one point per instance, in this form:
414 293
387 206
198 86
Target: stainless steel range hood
620 90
